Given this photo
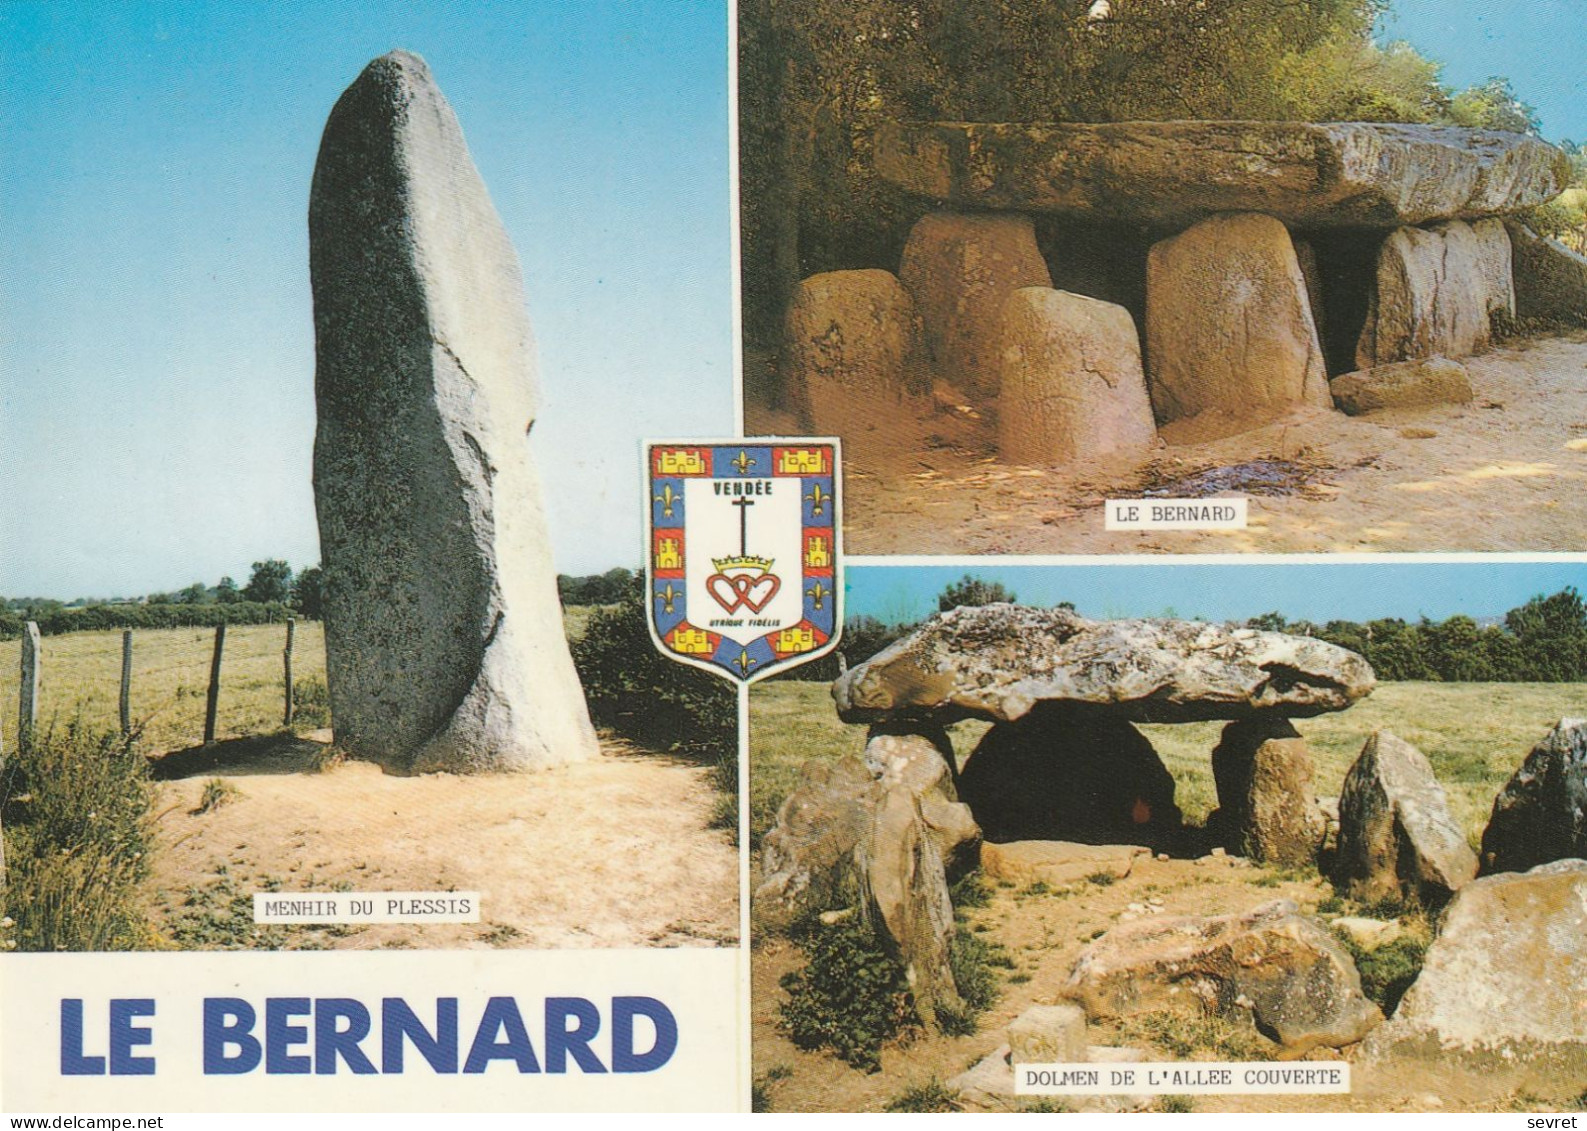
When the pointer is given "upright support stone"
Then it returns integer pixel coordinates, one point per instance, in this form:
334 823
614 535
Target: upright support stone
444 640
1229 326
28 703
1070 384
125 703
960 270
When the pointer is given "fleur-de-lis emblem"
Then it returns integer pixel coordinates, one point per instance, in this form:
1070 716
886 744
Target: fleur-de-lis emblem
744 662
743 462
818 593
667 498
668 597
818 500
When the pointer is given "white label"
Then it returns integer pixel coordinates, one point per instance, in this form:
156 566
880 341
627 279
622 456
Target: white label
366 907
1176 514
1184 1078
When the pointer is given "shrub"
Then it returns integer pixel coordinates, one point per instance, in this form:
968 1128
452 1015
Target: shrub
639 693
851 997
77 828
932 1096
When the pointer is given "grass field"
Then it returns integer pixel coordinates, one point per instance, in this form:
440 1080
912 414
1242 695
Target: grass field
1475 735
170 680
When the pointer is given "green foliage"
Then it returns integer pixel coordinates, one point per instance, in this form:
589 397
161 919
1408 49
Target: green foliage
1543 641
311 703
657 702
609 588
271 582
1388 971
851 997
77 828
308 592
101 618
1204 1036
1101 879
973 961
226 592
969 890
970 590
932 1096
1177 1104
1492 105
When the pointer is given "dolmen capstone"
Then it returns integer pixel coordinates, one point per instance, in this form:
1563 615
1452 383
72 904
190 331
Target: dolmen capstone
1063 760
444 641
1259 260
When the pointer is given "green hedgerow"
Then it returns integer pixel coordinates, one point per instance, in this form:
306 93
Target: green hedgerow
641 694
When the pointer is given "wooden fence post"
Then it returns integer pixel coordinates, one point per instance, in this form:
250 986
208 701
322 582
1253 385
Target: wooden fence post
126 682
286 659
213 702
28 707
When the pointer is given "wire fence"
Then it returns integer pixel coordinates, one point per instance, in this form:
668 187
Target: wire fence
80 677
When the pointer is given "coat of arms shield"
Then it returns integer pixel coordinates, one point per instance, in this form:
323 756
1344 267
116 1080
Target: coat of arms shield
744 561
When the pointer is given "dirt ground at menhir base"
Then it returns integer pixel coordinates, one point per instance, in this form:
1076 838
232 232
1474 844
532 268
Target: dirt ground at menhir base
1506 472
617 852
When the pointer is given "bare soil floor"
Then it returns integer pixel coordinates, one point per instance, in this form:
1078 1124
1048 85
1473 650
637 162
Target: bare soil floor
1506 472
612 853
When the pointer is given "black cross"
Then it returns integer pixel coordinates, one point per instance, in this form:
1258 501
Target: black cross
741 503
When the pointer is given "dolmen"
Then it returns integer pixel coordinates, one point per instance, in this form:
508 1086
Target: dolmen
443 629
1092 286
1062 761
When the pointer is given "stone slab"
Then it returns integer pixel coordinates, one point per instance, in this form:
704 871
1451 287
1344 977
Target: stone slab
1172 174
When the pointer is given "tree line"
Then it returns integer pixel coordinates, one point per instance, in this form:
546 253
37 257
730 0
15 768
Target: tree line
272 594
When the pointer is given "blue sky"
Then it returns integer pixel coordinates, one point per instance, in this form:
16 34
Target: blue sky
1540 45
1301 591
156 336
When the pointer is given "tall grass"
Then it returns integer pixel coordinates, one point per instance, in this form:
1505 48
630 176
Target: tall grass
77 827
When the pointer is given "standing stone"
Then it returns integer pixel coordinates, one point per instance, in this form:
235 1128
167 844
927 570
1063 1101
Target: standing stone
1268 811
1070 383
879 832
1397 836
28 695
1403 384
960 270
1541 813
444 640
1229 325
1431 296
851 347
1508 970
1496 265
1550 278
1311 272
